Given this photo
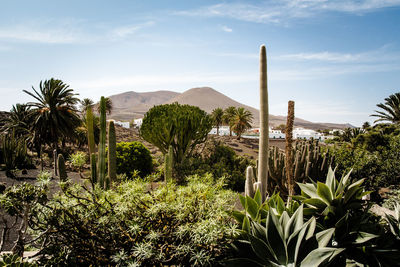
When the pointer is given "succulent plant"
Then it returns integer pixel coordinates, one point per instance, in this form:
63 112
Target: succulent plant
101 165
62 171
112 153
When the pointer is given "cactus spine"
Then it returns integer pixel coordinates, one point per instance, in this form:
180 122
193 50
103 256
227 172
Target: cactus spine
264 124
62 171
101 165
289 149
112 153
169 164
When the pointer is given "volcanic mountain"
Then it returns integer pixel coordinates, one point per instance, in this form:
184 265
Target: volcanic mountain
132 105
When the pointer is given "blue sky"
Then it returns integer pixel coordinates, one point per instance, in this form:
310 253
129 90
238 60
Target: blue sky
335 59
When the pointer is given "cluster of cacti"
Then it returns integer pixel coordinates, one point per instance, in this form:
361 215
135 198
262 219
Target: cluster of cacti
309 161
62 170
262 176
98 163
169 164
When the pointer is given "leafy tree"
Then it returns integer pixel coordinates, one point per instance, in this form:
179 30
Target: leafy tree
391 109
366 125
217 117
54 114
229 113
241 121
181 126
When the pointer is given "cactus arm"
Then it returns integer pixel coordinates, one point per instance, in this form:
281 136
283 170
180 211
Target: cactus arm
62 171
102 144
112 153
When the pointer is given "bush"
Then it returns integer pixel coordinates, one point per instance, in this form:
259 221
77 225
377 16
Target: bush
78 159
133 156
174 225
220 161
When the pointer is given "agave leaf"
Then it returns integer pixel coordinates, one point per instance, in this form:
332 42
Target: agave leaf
320 255
315 202
350 193
330 179
275 237
309 190
259 230
252 208
308 211
280 205
239 216
311 228
295 222
324 237
257 198
357 183
246 224
261 249
242 201
284 220
324 193
363 237
294 243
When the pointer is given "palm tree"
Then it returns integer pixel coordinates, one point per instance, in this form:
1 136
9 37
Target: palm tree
18 121
227 118
85 103
109 106
366 125
217 117
241 121
391 109
54 114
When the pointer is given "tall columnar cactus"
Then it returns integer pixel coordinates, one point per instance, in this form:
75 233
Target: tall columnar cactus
55 158
90 130
288 148
112 153
93 168
169 164
101 165
262 176
61 168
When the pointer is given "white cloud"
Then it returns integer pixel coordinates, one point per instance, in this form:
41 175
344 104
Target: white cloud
125 31
226 29
281 11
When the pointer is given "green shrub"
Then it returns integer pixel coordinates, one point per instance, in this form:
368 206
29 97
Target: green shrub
174 225
78 159
133 156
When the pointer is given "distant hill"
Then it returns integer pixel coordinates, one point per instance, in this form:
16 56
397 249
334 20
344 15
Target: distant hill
130 105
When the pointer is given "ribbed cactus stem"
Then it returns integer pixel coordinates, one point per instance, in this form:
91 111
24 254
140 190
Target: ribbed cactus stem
90 130
249 185
61 168
264 125
55 158
289 148
169 164
102 144
93 169
112 153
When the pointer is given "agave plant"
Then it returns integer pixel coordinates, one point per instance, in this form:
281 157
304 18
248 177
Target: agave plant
285 241
394 221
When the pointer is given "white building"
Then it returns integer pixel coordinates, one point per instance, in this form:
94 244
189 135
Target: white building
223 130
124 124
301 133
138 122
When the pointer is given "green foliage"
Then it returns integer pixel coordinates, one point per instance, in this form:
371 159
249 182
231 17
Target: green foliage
175 226
284 241
241 121
182 126
169 165
394 221
13 260
390 109
15 154
78 159
220 161
217 118
133 156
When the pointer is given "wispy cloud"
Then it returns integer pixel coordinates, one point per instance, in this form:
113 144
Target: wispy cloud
125 31
281 11
226 28
382 54
67 31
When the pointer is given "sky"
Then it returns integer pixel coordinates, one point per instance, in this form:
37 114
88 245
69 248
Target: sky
335 59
